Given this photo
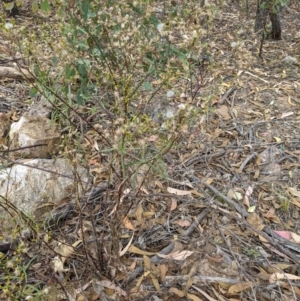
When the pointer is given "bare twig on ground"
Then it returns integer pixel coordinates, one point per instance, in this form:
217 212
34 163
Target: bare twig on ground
226 95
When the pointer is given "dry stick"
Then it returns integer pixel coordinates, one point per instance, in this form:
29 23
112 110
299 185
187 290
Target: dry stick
171 280
226 95
273 238
170 247
277 238
238 208
248 276
202 158
248 159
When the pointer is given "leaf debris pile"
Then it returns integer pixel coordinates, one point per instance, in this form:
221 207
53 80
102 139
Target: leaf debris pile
211 210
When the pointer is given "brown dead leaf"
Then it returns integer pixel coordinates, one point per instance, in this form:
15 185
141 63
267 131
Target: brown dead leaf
289 286
139 213
176 291
178 192
197 193
295 238
176 255
159 184
286 114
182 223
255 221
209 181
155 282
64 250
214 259
281 276
91 296
223 112
124 251
128 224
58 265
133 265
148 214
193 297
173 205
147 263
163 271
136 250
239 287
295 202
294 191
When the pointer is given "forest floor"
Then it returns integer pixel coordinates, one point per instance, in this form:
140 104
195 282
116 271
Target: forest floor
219 219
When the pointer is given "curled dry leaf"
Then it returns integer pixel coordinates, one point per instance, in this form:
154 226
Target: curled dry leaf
136 250
294 191
182 223
178 192
176 291
239 287
173 205
295 237
176 255
286 114
280 276
139 213
128 224
58 265
163 271
64 250
193 297
127 247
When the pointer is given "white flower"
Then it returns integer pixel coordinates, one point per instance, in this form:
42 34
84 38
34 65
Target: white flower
160 27
8 25
181 107
170 94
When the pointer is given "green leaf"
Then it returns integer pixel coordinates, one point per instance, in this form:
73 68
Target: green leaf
79 97
55 60
8 6
85 6
33 91
69 72
34 7
148 86
82 70
45 7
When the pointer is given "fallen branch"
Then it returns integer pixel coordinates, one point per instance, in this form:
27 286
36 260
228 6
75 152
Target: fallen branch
10 72
238 208
226 95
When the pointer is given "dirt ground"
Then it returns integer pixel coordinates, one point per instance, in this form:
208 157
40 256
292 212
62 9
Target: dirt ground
224 223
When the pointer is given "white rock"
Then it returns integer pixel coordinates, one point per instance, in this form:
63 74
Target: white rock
289 60
41 180
34 130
